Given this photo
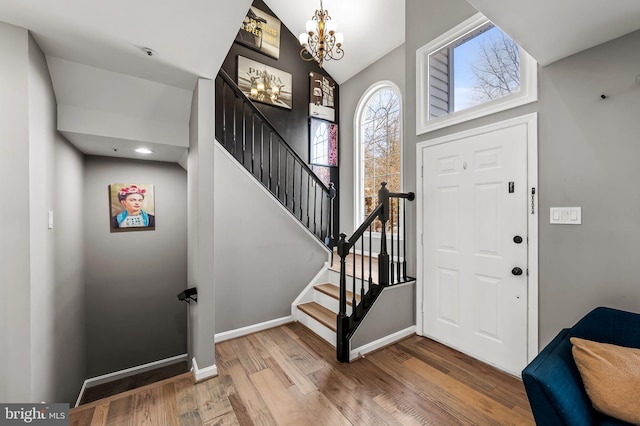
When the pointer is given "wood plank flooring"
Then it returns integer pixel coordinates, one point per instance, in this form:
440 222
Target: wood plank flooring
288 375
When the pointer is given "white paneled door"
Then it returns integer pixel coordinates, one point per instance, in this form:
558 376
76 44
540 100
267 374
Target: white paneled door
474 257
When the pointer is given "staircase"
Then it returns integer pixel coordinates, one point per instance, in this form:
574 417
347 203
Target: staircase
353 300
318 309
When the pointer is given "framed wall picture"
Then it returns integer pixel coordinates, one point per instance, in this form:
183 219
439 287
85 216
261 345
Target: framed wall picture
322 97
260 31
323 143
323 173
264 84
132 207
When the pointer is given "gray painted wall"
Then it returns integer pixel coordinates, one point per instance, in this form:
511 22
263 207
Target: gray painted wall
41 271
588 149
132 278
393 311
264 258
586 154
57 272
201 261
15 366
388 68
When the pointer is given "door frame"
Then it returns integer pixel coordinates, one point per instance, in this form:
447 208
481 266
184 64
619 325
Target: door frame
531 121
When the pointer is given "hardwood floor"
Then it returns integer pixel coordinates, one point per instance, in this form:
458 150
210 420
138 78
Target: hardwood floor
288 375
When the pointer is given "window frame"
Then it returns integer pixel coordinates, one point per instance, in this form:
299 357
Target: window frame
528 82
358 207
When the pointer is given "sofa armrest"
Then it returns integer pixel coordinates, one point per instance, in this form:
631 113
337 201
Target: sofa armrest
554 386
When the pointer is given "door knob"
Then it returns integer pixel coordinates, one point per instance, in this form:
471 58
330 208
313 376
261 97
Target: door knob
516 271
517 239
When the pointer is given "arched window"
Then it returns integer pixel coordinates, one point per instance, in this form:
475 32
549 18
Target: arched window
378 147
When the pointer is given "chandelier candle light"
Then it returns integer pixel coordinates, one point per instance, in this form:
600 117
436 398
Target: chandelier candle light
321 42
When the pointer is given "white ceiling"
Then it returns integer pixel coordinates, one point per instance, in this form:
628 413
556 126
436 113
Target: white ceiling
371 29
192 38
550 30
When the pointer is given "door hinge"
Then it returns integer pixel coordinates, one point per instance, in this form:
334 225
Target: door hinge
421 171
533 201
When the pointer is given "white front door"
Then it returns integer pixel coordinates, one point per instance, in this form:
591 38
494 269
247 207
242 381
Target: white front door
474 207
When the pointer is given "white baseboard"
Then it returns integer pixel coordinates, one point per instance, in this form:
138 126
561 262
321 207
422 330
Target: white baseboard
239 332
380 343
204 373
94 381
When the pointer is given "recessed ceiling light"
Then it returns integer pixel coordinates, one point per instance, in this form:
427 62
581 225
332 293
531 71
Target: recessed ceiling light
143 151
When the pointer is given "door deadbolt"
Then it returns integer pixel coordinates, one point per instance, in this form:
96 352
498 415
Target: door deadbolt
517 239
516 271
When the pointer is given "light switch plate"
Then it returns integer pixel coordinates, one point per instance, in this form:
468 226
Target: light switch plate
565 215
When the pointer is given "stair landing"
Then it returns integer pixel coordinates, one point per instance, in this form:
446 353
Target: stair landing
358 260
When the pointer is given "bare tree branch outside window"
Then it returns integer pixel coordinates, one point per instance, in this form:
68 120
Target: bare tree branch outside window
498 69
381 148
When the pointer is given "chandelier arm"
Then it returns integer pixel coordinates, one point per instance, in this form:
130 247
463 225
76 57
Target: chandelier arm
321 44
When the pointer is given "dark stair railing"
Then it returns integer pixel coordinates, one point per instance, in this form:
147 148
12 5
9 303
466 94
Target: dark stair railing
391 268
249 136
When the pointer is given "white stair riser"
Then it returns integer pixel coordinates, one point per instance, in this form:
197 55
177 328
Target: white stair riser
334 278
317 327
328 302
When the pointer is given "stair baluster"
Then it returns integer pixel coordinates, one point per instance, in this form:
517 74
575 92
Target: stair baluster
347 325
238 119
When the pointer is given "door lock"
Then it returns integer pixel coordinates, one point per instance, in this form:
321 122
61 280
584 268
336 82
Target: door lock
516 271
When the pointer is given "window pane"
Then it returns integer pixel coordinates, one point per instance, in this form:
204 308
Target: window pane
486 67
479 67
381 146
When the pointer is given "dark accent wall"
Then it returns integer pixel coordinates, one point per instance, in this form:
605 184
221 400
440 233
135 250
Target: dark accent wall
292 124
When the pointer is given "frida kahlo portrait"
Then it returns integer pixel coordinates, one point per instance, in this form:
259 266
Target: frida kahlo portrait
132 207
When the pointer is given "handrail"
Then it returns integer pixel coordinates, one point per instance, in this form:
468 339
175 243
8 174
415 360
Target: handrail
363 228
253 141
387 266
232 84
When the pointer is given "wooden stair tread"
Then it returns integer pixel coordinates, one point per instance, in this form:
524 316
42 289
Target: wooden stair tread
333 291
357 258
321 314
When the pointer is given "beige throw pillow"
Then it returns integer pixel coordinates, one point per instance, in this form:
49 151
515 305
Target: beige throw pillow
611 376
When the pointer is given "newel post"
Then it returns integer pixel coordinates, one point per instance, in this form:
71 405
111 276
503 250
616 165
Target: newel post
383 256
342 343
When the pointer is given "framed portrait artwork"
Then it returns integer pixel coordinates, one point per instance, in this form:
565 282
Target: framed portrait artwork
132 207
260 31
264 84
323 143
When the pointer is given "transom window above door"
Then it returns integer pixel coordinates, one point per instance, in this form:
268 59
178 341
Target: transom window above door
473 70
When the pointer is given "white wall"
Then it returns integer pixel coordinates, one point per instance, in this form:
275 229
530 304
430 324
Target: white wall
15 366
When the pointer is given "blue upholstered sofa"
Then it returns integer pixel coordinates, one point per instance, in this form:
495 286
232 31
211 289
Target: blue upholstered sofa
552 381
